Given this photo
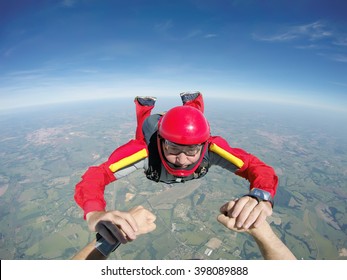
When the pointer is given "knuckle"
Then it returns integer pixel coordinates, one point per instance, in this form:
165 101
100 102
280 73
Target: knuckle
116 213
230 204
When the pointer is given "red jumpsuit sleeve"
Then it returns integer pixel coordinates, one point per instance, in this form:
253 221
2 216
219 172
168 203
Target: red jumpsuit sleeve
259 174
89 192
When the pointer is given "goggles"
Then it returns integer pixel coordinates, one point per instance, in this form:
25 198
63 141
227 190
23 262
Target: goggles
176 149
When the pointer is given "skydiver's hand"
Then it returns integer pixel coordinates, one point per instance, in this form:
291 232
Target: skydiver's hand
248 212
123 220
144 219
228 221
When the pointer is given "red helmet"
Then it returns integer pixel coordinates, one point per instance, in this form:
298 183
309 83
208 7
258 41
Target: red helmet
184 125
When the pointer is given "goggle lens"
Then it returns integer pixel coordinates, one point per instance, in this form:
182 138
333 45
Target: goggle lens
176 149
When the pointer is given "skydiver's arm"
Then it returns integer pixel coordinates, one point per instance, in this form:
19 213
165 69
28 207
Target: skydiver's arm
248 211
259 174
89 192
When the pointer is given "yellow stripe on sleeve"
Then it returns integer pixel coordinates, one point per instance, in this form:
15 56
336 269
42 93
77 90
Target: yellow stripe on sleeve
226 155
128 160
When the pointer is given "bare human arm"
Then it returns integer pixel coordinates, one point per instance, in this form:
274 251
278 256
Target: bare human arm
270 246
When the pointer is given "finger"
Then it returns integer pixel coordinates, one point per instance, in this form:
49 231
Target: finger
228 222
128 218
147 228
227 207
151 227
143 214
147 223
239 205
125 227
223 219
136 209
151 218
223 209
245 212
252 217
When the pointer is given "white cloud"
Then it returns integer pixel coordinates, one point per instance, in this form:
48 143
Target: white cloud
167 29
308 47
164 26
192 34
211 35
312 36
275 38
312 31
342 41
339 57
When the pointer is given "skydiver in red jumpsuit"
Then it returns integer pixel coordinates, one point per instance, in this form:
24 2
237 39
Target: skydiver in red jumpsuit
176 147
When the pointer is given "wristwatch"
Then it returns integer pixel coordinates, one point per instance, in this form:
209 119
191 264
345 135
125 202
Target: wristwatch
104 247
261 195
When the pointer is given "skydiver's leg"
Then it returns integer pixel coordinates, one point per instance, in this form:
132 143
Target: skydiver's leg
144 106
194 99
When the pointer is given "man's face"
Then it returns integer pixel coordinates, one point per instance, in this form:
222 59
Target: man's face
181 155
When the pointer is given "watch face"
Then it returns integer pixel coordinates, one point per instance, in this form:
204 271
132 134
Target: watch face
261 194
104 247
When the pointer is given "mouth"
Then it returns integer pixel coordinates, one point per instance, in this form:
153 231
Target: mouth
181 166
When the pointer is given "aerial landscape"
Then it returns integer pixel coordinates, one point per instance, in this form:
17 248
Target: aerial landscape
45 151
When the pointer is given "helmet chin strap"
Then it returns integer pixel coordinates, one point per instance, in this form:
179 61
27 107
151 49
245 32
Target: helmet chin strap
176 171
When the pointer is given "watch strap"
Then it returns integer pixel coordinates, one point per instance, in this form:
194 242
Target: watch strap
261 195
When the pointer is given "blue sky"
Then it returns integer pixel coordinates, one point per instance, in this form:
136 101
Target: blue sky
68 50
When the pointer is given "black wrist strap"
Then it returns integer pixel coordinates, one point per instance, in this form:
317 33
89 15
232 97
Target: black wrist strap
104 247
108 237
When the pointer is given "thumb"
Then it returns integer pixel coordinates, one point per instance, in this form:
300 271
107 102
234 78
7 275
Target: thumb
223 219
151 217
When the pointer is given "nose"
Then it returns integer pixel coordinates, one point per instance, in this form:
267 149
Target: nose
181 158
